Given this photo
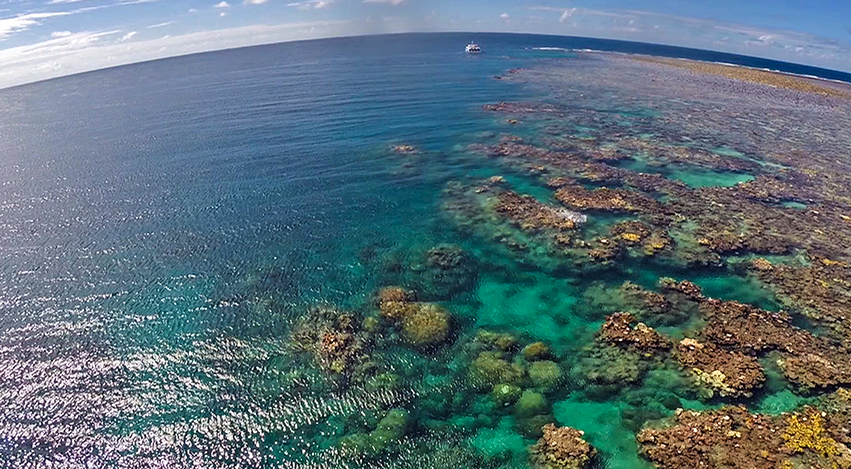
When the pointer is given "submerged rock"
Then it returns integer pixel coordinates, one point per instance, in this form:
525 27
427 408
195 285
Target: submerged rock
545 375
536 351
530 404
448 271
389 430
506 394
490 369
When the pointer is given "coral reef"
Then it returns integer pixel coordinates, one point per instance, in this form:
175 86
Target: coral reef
736 193
427 325
395 302
529 214
334 341
422 324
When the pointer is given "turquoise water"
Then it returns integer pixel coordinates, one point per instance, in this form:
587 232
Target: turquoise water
169 230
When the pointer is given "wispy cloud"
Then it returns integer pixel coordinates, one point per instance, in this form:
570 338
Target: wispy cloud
254 2
56 34
127 36
566 15
161 25
665 28
390 2
311 4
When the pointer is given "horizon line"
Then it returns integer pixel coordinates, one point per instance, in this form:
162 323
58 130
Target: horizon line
353 36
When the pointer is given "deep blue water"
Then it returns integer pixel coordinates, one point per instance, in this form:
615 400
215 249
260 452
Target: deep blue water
145 209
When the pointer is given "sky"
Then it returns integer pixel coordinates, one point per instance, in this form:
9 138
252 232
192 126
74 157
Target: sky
42 39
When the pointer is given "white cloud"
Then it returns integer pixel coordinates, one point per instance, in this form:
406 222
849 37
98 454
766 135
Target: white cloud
56 34
16 24
505 16
127 36
222 14
192 10
81 52
222 4
161 25
254 2
391 2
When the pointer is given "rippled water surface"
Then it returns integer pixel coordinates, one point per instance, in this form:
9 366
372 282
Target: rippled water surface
172 232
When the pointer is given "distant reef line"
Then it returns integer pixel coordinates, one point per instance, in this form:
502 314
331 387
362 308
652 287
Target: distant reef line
803 83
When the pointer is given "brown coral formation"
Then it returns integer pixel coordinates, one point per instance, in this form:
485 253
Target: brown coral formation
561 448
623 329
808 361
605 199
718 371
822 291
541 235
813 437
622 353
637 234
689 290
532 215
729 437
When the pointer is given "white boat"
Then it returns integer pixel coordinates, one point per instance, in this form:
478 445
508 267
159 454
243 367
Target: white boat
473 48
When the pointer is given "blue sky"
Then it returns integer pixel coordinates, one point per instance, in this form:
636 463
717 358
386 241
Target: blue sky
46 38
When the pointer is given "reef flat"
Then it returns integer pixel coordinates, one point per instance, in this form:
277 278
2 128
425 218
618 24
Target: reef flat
651 268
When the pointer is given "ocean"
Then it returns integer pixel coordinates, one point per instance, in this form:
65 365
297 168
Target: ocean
168 229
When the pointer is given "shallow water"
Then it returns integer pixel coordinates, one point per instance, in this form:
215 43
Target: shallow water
165 227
